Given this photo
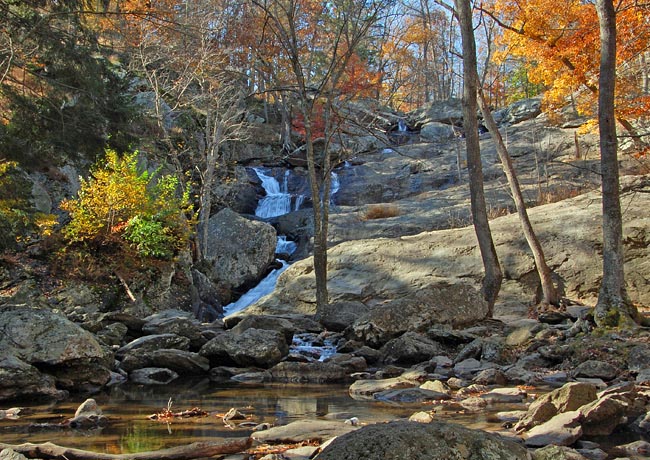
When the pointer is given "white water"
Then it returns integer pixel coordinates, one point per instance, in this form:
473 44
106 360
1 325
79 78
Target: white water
284 246
265 287
302 344
276 203
401 126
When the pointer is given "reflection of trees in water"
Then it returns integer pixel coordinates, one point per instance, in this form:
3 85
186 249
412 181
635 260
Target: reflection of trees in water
140 438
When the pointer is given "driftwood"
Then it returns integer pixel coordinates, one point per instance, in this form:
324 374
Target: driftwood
167 415
49 450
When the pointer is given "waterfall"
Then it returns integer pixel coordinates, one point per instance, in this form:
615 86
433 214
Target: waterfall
401 126
265 287
277 200
276 203
335 185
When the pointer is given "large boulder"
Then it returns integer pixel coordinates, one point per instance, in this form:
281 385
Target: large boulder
175 322
180 361
449 111
570 397
415 441
19 380
239 250
40 336
437 132
252 347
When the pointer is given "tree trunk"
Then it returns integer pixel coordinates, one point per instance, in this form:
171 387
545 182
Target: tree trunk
613 307
320 237
191 451
549 293
493 275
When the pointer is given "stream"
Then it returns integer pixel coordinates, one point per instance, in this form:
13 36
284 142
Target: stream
128 406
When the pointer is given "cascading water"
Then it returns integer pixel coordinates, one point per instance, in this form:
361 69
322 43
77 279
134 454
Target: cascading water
276 203
278 199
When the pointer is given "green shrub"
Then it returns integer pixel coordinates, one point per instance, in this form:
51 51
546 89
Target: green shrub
118 202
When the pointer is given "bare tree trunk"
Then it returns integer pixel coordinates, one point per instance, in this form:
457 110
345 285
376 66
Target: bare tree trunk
613 307
493 275
549 293
320 239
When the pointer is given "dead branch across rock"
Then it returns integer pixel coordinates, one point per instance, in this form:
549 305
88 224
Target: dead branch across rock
49 450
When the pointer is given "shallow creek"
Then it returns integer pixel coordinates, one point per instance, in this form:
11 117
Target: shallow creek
130 430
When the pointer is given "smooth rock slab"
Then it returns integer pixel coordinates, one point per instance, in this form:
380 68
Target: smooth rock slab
421 441
562 430
303 430
367 388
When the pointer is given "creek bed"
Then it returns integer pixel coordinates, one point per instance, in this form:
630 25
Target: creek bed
128 407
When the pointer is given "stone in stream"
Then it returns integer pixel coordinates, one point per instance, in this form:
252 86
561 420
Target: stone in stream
568 398
401 440
153 376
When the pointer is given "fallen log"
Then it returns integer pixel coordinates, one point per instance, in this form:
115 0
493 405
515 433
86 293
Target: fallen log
49 450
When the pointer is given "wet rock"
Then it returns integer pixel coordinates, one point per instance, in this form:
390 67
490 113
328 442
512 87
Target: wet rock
349 362
252 347
467 368
80 376
568 398
642 424
153 376
635 449
180 361
151 343
19 380
596 369
223 374
314 372
562 430
88 415
504 396
474 403
415 441
410 395
410 348
365 389
303 430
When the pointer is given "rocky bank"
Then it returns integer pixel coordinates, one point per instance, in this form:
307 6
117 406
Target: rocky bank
406 323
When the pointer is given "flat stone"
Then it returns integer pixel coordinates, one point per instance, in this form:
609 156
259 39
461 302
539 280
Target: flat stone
562 430
303 430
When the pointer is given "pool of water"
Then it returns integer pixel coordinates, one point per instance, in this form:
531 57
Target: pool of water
129 406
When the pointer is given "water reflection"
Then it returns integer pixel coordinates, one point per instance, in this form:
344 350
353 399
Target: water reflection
128 407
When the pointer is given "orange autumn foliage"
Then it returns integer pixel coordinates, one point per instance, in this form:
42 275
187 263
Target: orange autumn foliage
560 42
